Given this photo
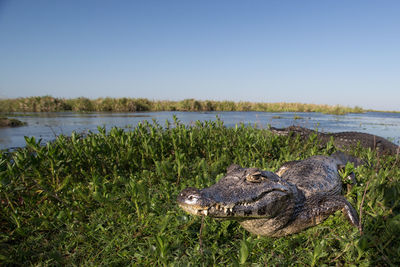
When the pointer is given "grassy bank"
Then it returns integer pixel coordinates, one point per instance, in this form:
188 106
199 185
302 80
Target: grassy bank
109 199
51 104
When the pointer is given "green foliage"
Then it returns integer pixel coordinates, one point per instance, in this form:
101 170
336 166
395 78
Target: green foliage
108 198
52 104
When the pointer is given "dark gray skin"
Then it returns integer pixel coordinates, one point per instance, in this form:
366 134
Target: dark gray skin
304 194
343 140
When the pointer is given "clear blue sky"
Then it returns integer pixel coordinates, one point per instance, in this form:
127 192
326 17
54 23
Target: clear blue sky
321 52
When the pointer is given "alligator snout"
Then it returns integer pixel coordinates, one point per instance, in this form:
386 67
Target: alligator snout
189 196
192 201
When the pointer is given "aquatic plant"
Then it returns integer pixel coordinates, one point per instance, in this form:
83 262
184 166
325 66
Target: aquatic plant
108 198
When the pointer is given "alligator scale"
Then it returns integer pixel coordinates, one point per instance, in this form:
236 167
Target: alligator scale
301 194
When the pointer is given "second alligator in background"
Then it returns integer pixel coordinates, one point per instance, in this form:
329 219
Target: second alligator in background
342 140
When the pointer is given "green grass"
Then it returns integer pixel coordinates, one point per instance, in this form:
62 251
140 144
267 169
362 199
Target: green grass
82 104
109 199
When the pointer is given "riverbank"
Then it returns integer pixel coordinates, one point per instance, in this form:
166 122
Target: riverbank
81 104
109 199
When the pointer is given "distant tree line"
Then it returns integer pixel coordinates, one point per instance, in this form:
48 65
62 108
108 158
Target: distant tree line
108 104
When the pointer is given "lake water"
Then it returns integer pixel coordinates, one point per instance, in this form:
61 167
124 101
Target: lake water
48 125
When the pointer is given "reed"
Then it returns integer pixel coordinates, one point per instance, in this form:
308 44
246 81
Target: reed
108 198
82 104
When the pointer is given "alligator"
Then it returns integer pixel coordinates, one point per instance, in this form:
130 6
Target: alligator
299 195
342 140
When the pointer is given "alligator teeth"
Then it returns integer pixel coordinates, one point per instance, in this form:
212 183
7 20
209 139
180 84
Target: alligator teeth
227 210
230 206
205 212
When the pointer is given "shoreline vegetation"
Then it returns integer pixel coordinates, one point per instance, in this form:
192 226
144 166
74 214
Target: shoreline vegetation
108 104
6 122
109 198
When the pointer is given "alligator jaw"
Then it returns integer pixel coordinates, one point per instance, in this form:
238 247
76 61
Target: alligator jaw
194 210
215 210
191 201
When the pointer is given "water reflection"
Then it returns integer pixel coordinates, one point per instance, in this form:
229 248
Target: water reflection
47 126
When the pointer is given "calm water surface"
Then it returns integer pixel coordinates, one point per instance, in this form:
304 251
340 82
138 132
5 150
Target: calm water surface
47 126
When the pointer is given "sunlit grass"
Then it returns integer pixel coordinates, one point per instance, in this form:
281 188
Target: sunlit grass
109 199
81 104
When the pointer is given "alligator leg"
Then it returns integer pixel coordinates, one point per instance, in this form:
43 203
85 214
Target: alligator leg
331 204
304 217
315 212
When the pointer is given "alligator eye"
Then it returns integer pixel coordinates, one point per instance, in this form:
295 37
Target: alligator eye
254 177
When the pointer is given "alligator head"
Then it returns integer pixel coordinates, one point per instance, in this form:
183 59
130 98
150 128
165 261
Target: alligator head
243 194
